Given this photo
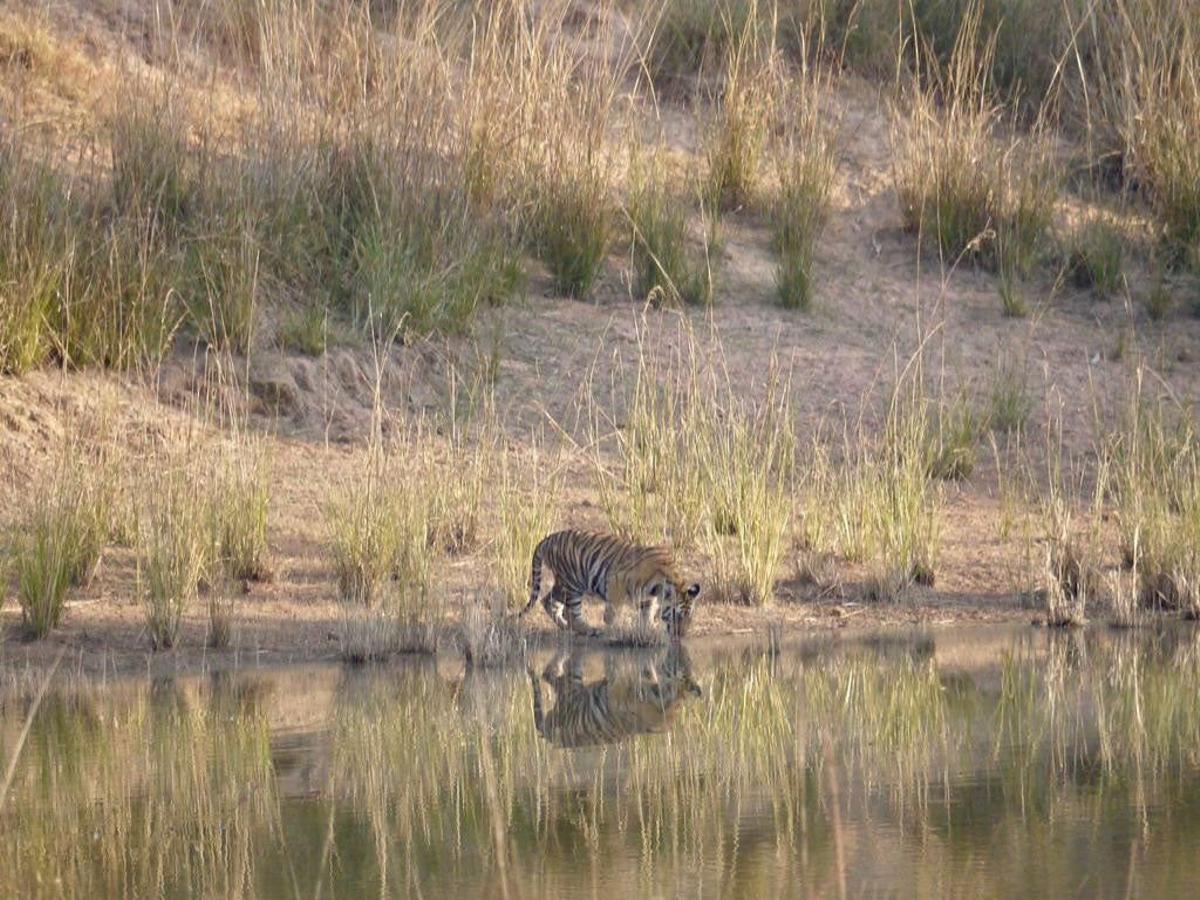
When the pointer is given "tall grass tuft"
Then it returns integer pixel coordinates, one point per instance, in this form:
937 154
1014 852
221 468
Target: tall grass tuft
1156 483
66 528
953 442
979 190
1096 258
489 635
738 122
527 510
380 521
175 548
1146 111
693 462
805 164
665 270
364 534
747 454
573 229
881 505
43 561
1008 402
241 498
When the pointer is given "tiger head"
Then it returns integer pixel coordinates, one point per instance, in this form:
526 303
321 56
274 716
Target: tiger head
675 606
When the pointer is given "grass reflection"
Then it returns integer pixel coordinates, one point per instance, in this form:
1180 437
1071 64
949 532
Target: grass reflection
798 770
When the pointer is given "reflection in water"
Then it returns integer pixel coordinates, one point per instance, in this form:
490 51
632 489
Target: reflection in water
629 700
1029 763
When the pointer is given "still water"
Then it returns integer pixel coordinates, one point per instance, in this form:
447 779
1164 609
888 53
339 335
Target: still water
974 762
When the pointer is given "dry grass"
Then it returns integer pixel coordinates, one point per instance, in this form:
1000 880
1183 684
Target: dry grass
804 160
881 504
974 186
1156 484
735 132
385 555
696 463
175 547
666 269
527 510
489 635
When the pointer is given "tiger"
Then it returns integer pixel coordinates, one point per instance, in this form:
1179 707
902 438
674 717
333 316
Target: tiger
620 706
588 562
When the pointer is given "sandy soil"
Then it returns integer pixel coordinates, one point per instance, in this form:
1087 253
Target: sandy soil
876 295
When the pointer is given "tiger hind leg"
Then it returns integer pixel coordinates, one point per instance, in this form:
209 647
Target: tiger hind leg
554 603
578 624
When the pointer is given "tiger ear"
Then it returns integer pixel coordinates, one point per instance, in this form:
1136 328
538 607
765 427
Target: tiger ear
693 590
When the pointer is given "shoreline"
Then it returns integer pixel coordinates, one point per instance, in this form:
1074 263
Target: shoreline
99 648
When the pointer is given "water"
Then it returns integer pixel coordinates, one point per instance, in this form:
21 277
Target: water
976 762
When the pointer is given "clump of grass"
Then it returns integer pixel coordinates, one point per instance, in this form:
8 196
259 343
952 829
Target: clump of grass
690 36
490 636
574 229
60 544
1009 403
35 259
1070 578
734 138
881 505
979 191
365 542
380 526
1096 257
1150 79
747 451
457 507
1070 570
906 500
305 330
654 456
663 267
175 550
1123 600
1157 488
696 461
805 165
954 438
1159 300
43 559
240 505
1010 287
527 511
220 604
226 301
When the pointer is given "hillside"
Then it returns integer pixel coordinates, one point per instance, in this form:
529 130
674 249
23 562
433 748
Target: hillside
364 245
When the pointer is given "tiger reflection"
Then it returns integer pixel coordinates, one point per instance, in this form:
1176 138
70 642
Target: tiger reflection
626 702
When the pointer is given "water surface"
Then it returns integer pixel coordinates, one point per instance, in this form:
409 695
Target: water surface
972 762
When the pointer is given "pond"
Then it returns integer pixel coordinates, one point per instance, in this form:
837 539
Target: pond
996 761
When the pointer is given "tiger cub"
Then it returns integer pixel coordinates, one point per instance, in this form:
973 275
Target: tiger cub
585 562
